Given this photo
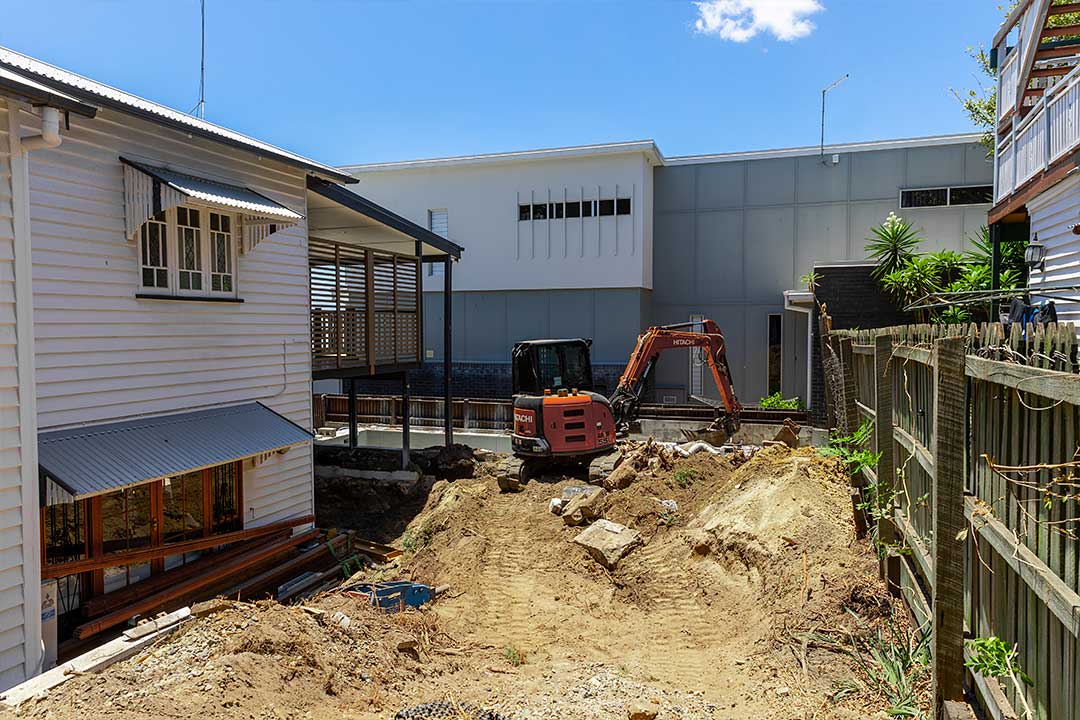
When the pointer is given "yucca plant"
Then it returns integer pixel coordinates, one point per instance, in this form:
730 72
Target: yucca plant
893 244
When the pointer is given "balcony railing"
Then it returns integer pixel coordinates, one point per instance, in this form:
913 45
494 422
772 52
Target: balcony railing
1050 130
365 308
1007 79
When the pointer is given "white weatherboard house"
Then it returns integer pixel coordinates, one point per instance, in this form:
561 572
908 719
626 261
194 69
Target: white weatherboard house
160 279
1037 150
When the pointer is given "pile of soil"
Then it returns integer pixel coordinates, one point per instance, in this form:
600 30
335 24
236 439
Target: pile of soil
264 660
744 561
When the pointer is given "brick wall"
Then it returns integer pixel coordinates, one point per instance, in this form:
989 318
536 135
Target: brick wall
473 380
853 300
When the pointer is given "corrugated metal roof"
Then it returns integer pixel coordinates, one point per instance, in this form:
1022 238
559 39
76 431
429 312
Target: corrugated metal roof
34 91
219 193
79 85
100 458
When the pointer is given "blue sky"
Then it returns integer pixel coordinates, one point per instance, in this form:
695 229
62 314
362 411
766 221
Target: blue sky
366 81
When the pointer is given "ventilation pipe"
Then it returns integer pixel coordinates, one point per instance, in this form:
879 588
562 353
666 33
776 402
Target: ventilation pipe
50 131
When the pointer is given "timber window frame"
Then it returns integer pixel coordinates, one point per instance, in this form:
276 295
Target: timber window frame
189 252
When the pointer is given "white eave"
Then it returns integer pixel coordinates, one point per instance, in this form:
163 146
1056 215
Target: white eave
646 147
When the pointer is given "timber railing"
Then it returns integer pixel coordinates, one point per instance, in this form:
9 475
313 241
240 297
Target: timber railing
976 495
365 307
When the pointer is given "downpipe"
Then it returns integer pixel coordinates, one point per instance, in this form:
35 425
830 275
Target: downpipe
50 132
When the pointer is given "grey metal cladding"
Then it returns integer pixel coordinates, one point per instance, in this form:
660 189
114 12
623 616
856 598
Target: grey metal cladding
98 458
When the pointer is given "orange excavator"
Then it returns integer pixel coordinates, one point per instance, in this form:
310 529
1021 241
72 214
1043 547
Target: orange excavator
558 419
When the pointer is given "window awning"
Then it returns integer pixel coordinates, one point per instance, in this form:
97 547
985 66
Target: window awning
97 459
149 190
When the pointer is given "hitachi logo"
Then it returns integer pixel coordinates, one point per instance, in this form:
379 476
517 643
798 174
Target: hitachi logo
682 341
523 417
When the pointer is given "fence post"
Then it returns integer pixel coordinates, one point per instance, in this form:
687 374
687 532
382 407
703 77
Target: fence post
850 425
948 503
886 467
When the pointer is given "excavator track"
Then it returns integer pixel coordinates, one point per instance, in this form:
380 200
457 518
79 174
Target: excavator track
603 465
514 473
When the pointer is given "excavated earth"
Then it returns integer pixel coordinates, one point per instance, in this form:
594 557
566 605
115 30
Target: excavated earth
709 618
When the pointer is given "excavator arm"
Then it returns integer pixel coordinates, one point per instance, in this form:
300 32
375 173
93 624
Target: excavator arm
626 401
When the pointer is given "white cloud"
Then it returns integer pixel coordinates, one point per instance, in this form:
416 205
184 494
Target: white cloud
740 20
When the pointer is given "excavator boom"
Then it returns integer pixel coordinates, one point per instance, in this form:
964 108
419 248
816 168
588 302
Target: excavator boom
626 401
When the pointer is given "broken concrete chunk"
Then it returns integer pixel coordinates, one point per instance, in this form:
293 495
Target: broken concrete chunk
584 507
608 542
209 607
341 619
642 710
556 505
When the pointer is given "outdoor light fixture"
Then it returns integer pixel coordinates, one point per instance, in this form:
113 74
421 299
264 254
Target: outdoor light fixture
1035 253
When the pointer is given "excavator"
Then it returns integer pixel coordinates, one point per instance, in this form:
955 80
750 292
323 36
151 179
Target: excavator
559 419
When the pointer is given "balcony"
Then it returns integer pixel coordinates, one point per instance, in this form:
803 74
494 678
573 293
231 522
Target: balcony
365 309
1049 131
364 275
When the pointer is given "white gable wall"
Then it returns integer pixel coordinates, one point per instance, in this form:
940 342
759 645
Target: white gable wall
1053 213
104 355
502 253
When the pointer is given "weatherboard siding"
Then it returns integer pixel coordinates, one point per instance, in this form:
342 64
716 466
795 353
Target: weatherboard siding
13 596
1053 215
105 355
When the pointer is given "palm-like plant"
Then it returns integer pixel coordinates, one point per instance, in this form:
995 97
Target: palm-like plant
893 244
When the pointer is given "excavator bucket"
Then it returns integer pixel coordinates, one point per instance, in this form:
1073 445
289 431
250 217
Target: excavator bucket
715 434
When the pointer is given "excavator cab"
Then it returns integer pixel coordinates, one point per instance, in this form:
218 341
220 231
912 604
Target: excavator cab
540 365
556 414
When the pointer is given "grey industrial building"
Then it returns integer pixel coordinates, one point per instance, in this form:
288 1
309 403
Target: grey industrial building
716 236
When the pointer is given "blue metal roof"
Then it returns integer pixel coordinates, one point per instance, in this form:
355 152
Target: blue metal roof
101 458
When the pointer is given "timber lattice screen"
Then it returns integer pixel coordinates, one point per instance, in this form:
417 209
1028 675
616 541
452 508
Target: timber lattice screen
1016 564
365 307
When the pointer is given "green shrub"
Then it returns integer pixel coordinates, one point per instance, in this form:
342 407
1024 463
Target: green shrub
776 401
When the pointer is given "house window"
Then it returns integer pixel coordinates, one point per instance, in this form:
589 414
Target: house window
622 206
189 251
127 522
189 245
221 253
588 208
540 211
776 353
225 498
555 211
607 207
524 213
946 196
573 209
65 532
154 253
184 511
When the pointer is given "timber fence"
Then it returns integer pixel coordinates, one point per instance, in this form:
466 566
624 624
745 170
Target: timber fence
975 499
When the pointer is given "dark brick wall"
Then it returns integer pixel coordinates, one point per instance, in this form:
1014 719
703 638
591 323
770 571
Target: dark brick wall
854 301
473 380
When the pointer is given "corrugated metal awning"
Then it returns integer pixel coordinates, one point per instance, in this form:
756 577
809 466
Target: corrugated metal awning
149 190
101 458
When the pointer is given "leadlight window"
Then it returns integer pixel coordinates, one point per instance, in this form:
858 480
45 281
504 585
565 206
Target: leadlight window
189 246
221 253
154 253
224 494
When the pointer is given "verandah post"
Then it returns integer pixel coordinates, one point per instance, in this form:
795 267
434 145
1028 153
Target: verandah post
950 387
886 466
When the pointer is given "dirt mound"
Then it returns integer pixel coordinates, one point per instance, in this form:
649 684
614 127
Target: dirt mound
262 660
736 562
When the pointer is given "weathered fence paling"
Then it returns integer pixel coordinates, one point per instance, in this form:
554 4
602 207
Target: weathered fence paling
977 429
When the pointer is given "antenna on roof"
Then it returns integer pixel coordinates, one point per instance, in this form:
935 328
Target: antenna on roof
823 92
199 110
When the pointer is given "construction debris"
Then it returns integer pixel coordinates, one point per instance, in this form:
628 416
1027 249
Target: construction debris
608 542
584 507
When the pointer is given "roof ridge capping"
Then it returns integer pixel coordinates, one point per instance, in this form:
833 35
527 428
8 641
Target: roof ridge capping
647 146
124 101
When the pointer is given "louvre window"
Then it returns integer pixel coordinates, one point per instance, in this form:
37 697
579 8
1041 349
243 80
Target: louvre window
575 209
946 196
